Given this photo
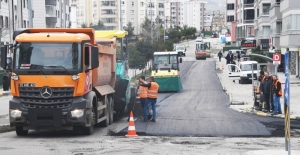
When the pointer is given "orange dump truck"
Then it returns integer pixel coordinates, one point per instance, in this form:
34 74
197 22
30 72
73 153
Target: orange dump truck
61 79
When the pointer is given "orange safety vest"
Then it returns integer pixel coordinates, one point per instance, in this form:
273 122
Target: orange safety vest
153 90
280 91
143 92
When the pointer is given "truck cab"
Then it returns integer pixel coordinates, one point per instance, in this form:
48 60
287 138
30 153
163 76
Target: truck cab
243 71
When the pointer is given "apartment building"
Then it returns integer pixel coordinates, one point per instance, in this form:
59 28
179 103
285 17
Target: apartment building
73 16
262 24
135 11
244 20
51 13
230 13
276 25
185 12
13 15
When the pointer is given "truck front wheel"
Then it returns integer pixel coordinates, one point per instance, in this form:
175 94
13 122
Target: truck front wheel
90 129
20 131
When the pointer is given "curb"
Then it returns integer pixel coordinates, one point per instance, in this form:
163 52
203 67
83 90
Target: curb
259 113
4 94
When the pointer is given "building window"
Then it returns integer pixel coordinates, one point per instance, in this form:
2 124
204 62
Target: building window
123 2
123 11
151 13
141 4
50 11
142 12
278 27
142 20
230 6
24 5
95 3
132 20
151 5
131 12
132 3
161 13
266 8
230 18
6 22
161 5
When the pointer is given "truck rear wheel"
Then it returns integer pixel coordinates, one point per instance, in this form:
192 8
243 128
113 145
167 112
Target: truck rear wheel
111 110
20 131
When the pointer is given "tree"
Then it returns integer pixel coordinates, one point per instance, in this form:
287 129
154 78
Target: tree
129 28
99 26
136 59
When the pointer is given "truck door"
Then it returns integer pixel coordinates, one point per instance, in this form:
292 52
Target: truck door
234 72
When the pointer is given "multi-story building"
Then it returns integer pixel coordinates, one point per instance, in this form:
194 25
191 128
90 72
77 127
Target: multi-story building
276 25
51 13
188 12
73 16
135 11
230 13
13 15
245 19
262 24
290 34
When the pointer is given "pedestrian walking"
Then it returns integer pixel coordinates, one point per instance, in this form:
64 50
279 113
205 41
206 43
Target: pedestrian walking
9 80
277 93
265 90
5 81
227 59
239 57
151 98
142 94
220 56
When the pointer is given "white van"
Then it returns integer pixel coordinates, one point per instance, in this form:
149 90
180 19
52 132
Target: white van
243 71
180 49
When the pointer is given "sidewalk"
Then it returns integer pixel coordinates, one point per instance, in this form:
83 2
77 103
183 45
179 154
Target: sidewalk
241 98
4 93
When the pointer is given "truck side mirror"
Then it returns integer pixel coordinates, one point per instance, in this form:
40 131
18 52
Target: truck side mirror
95 57
180 60
4 57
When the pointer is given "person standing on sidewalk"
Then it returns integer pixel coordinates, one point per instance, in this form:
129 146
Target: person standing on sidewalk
265 88
277 93
151 98
261 97
220 55
142 93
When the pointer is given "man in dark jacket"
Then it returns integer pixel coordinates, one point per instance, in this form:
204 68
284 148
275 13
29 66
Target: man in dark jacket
266 91
227 59
220 55
5 81
277 93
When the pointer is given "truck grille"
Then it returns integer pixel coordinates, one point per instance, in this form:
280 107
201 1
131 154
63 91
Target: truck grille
60 98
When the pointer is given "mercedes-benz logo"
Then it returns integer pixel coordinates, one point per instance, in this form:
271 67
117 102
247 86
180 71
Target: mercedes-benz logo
46 92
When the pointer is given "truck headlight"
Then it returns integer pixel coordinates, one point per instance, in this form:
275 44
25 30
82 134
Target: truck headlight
15 113
75 77
15 77
77 113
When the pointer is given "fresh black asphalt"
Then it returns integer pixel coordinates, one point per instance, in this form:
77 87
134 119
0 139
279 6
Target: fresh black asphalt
200 109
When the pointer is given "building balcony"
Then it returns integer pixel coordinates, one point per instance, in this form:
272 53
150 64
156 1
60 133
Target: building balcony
248 3
51 20
289 5
263 19
275 11
51 2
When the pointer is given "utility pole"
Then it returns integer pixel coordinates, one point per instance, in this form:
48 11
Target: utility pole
121 24
0 27
151 21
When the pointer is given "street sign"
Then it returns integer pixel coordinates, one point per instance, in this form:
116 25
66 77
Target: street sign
286 64
276 58
287 91
287 99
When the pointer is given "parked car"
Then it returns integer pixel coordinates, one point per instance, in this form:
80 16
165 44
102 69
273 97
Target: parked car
199 39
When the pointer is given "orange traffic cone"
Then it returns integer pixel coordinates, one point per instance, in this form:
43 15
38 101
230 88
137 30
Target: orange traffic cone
222 66
131 127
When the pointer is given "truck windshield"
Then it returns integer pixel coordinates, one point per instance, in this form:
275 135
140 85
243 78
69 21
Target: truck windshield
40 55
180 48
162 62
248 67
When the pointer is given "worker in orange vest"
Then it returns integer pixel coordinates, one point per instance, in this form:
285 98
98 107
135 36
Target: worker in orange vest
142 93
277 93
151 98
